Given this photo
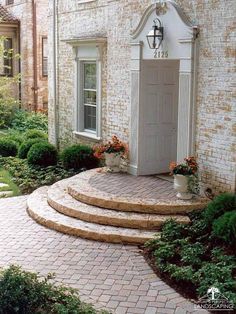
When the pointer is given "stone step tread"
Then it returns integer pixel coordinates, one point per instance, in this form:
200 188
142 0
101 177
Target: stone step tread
63 202
39 210
79 187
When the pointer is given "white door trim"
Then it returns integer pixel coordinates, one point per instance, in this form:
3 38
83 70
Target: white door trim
186 53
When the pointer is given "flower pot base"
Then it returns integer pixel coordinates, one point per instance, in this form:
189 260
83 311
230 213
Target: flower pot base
113 169
184 195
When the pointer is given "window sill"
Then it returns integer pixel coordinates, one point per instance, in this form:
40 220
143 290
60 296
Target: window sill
88 135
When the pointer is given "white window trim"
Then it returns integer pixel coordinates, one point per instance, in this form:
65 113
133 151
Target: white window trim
79 130
96 43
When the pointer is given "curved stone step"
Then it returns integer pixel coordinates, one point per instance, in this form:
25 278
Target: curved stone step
59 199
39 209
80 188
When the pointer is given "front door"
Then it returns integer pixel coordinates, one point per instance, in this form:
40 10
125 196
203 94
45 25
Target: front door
158 116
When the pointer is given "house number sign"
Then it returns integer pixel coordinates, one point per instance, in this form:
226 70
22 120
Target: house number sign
160 54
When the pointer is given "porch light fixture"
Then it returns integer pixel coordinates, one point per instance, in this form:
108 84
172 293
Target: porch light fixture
155 35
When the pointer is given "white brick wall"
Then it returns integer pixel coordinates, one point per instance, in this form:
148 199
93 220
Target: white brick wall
215 144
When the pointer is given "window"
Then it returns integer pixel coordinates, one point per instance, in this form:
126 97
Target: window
89 95
9 2
88 54
44 56
6 65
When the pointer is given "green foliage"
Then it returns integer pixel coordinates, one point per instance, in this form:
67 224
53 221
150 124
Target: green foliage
33 133
28 178
7 148
24 292
8 104
24 120
7 111
225 227
193 256
42 154
26 145
221 204
78 157
14 136
180 273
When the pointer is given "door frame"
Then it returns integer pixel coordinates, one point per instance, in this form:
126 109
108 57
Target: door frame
187 56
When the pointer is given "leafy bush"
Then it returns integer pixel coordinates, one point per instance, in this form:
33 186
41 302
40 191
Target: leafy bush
78 157
193 256
24 120
225 227
7 111
24 292
15 137
33 133
28 178
8 148
25 147
42 154
221 204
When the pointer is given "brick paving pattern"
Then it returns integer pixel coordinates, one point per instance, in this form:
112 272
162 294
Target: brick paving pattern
115 277
131 186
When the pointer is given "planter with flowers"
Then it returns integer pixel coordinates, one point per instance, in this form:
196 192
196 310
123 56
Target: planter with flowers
185 178
112 152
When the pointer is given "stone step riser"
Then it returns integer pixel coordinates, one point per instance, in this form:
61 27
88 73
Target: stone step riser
41 212
82 190
152 222
160 209
86 234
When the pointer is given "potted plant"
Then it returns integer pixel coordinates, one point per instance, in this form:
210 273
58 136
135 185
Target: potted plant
112 152
185 177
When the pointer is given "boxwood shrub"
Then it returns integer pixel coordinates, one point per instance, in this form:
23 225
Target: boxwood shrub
25 147
8 147
42 154
78 157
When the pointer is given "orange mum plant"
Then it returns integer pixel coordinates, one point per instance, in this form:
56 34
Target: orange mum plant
187 168
115 146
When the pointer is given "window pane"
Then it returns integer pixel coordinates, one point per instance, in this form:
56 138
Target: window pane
90 97
90 118
90 75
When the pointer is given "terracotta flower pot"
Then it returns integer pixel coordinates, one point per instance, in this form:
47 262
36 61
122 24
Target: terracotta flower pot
112 161
181 186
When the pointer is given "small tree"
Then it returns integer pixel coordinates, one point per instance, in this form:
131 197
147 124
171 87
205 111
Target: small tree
8 103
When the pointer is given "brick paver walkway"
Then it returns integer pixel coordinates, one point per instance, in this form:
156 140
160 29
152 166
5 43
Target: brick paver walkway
110 276
131 186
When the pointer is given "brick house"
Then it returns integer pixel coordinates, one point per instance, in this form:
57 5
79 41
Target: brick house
30 40
168 103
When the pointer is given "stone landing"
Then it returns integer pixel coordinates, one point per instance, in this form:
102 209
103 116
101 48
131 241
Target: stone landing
117 208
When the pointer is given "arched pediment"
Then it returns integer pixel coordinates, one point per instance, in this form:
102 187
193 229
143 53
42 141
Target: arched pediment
177 29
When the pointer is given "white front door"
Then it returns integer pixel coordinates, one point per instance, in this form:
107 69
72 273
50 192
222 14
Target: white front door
158 116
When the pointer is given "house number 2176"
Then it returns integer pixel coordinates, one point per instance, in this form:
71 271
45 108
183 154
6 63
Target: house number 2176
160 54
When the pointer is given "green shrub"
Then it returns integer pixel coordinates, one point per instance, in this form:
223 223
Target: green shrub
42 154
24 292
193 256
221 204
78 157
14 136
225 227
8 148
25 147
7 111
28 177
33 133
24 120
